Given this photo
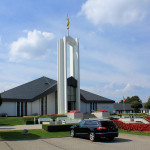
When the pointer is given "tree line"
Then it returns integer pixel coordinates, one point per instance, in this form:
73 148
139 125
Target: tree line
136 103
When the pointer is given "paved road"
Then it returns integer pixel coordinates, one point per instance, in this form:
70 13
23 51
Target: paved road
124 142
20 127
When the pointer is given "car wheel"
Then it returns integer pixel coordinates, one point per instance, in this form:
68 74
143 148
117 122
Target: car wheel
72 133
92 136
111 138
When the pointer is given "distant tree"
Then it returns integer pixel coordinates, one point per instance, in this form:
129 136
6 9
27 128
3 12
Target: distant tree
147 104
134 102
127 100
131 99
136 105
0 100
134 98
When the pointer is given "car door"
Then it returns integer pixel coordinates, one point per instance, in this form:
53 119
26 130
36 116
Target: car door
79 128
84 130
87 127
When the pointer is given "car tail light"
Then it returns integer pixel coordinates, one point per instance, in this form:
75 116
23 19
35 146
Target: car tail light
101 128
116 127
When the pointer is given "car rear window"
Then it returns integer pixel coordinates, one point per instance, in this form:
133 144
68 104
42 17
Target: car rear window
91 122
107 123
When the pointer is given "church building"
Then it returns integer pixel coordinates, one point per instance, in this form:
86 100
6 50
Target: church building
47 96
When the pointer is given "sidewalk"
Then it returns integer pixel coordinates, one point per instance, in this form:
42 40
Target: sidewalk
20 127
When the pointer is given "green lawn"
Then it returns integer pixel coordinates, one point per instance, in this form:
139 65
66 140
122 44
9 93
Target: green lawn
144 133
37 134
33 134
11 121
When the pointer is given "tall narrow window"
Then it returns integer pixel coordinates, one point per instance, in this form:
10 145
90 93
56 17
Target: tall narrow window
45 105
22 109
96 106
41 106
25 108
71 98
18 109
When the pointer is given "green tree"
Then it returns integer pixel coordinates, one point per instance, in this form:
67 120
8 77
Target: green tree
131 99
127 100
134 102
135 98
0 100
147 104
136 105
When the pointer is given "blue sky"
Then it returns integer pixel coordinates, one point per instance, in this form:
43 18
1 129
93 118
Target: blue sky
114 41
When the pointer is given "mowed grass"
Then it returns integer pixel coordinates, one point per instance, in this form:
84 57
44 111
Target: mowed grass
143 133
32 134
11 121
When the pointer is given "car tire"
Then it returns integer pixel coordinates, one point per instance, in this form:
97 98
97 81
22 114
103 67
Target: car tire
111 138
92 136
72 133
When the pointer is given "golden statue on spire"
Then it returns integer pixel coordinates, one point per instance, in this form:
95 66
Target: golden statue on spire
68 23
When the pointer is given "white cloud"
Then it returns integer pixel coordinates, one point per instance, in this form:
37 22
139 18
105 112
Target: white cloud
115 91
115 11
127 88
35 45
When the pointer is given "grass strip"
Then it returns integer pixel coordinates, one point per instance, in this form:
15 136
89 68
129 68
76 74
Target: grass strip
32 134
143 133
11 121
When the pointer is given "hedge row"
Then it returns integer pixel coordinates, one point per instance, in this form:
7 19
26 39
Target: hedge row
57 128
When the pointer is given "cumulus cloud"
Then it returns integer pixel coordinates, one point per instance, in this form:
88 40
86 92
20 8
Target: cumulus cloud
115 11
35 45
116 91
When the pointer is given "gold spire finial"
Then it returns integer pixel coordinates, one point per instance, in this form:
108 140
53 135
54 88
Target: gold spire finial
68 23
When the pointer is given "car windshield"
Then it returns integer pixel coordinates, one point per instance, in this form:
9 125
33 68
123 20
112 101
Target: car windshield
107 124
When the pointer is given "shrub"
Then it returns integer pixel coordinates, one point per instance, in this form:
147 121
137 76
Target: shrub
111 118
57 128
3 115
30 119
55 116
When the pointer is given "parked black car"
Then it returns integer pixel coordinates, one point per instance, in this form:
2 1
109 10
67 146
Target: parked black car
94 129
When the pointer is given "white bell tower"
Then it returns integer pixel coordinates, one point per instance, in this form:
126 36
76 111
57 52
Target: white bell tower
62 72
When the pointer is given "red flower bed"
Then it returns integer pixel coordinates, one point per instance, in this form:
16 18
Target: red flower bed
131 126
147 118
101 111
74 111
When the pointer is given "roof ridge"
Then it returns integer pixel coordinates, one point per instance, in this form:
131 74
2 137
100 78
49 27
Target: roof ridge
95 94
28 83
45 90
21 85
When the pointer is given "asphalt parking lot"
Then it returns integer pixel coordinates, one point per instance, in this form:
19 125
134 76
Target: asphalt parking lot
123 142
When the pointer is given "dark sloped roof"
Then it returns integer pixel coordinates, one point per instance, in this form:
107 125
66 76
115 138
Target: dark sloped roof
29 90
43 86
91 97
121 106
